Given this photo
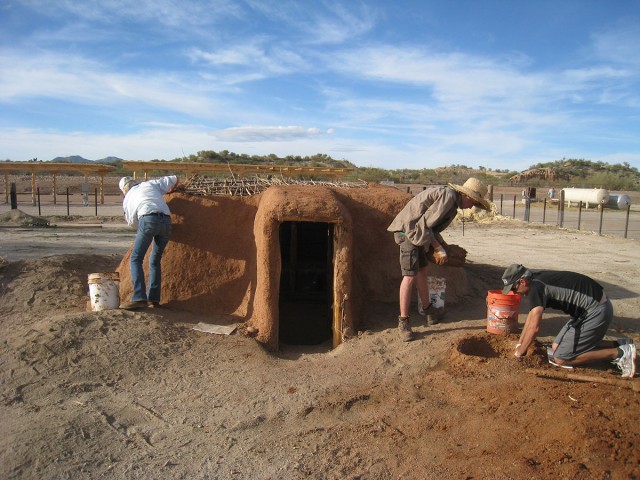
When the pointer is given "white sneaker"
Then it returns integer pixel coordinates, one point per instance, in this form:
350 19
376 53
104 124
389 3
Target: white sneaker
627 363
550 359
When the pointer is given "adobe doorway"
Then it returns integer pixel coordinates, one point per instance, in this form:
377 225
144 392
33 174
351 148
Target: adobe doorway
306 283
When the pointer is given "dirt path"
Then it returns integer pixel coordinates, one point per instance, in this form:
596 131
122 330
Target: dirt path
120 394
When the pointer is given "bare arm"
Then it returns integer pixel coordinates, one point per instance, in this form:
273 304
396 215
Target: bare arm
530 330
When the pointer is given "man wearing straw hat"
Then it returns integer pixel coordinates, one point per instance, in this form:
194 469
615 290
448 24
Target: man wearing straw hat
144 205
580 341
417 228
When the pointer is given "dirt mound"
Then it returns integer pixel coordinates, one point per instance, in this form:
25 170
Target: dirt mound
19 218
52 284
494 353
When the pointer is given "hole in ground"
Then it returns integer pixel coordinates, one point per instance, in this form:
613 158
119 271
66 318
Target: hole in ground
478 347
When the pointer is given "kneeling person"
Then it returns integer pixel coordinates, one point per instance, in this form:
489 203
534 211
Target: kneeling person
580 341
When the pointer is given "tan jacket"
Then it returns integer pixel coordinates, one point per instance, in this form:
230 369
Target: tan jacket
427 214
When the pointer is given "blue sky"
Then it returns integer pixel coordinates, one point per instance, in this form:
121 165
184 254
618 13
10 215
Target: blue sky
502 84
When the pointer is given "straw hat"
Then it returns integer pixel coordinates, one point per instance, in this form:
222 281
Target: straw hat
475 190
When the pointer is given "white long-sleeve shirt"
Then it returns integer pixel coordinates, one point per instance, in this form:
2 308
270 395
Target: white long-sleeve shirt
147 197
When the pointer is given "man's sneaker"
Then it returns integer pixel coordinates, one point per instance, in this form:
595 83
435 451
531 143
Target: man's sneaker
627 363
154 305
136 305
404 327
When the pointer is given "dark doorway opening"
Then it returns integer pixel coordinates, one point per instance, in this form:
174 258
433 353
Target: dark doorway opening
306 283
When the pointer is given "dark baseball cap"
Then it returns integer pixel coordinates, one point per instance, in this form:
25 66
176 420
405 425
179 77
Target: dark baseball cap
511 275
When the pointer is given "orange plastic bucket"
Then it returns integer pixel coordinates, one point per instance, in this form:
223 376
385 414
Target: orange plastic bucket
502 312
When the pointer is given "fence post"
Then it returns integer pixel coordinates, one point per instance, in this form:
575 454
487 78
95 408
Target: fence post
601 207
527 209
14 197
560 221
514 206
544 209
626 225
579 213
501 195
96 200
39 209
67 201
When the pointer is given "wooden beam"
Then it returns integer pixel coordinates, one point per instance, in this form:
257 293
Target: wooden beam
49 167
53 169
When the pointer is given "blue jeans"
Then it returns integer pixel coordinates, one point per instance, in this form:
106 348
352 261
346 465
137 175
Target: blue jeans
156 229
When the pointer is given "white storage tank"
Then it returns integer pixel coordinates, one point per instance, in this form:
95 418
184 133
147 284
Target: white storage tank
619 200
589 196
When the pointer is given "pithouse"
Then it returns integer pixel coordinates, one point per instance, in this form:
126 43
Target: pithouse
296 262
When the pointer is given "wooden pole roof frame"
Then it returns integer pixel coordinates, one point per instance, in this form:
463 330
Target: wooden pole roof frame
54 167
190 168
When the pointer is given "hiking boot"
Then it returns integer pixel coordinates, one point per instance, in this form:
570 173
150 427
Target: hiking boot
627 362
135 305
154 305
404 327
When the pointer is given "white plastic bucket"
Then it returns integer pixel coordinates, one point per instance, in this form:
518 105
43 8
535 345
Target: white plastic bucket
437 290
104 291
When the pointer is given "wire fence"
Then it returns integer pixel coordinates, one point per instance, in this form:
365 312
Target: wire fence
599 219
65 204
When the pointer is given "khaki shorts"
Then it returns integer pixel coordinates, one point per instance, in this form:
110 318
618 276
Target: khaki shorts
412 258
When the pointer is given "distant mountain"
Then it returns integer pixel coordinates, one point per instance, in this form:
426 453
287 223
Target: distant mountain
71 159
79 159
109 160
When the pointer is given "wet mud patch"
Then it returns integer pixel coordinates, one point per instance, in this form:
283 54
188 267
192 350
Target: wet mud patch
490 352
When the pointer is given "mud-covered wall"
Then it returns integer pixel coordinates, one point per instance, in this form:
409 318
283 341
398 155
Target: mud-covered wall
376 256
210 266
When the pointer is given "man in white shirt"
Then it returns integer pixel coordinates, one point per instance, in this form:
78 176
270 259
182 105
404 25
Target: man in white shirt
144 205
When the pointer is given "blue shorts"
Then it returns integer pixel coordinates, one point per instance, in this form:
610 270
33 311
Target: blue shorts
583 335
412 258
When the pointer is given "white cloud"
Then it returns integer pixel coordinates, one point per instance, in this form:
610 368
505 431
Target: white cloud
263 63
76 79
248 61
152 143
339 25
318 23
619 45
169 13
451 77
268 133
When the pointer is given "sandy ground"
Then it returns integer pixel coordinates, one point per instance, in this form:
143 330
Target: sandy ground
141 395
